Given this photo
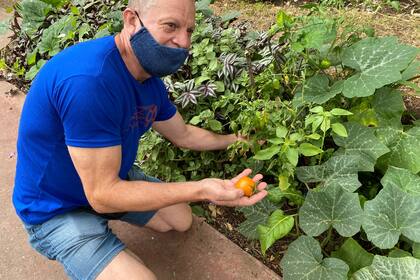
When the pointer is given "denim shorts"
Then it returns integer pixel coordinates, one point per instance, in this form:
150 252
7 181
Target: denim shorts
81 239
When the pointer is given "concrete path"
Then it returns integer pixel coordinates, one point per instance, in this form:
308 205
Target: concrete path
200 253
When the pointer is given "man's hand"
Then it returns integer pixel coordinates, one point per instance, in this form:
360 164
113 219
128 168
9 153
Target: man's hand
223 192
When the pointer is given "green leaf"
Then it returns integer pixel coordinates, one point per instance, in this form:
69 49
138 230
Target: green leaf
389 107
279 225
195 120
317 90
255 215
281 131
303 260
203 7
33 13
309 150
416 250
276 195
54 35
362 143
292 155
411 71
391 213
354 255
403 179
282 19
404 146
230 15
268 153
407 268
335 208
314 136
30 75
340 112
220 86
339 129
398 253
317 109
338 171
215 125
31 57
378 62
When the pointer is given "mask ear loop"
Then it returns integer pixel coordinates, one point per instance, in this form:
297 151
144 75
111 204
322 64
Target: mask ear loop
141 23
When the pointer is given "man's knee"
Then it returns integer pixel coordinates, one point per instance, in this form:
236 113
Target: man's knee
184 223
176 217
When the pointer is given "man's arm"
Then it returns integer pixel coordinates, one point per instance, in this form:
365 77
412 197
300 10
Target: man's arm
106 192
192 137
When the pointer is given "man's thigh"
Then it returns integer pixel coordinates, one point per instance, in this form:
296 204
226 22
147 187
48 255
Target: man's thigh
81 241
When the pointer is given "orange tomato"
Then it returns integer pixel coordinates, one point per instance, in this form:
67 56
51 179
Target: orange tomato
246 184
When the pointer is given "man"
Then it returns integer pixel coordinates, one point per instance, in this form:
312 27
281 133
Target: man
78 138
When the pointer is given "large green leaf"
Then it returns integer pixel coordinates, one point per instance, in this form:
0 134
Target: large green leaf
389 107
391 213
255 215
354 255
268 153
361 143
333 207
416 250
294 196
404 146
279 225
33 13
337 171
384 268
378 62
317 90
303 261
55 34
412 70
402 178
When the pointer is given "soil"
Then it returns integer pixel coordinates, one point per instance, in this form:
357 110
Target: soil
226 220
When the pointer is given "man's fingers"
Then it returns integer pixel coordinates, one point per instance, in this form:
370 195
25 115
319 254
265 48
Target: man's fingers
233 194
257 177
244 173
243 201
261 186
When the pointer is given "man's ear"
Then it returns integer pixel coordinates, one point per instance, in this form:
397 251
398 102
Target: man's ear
130 20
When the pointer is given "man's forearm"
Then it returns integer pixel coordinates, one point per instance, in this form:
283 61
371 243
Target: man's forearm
127 196
199 139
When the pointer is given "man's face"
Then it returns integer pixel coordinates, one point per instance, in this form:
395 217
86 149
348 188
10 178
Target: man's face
171 22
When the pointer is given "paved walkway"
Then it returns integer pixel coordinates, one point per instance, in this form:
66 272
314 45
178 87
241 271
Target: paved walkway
200 253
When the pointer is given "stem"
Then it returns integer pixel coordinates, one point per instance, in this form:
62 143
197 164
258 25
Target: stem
322 147
327 239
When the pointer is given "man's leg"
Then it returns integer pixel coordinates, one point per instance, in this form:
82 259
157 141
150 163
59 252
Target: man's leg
84 244
175 217
126 265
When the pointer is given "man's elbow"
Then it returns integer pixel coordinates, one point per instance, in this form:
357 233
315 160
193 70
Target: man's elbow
99 200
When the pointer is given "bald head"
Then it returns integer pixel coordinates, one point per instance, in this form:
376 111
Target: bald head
141 5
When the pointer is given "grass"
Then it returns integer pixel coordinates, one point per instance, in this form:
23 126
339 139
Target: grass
262 15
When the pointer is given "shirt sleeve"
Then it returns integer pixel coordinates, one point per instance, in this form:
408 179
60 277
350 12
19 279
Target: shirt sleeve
90 114
167 109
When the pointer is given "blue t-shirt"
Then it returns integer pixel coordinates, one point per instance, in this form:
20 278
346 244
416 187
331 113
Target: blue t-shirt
83 97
